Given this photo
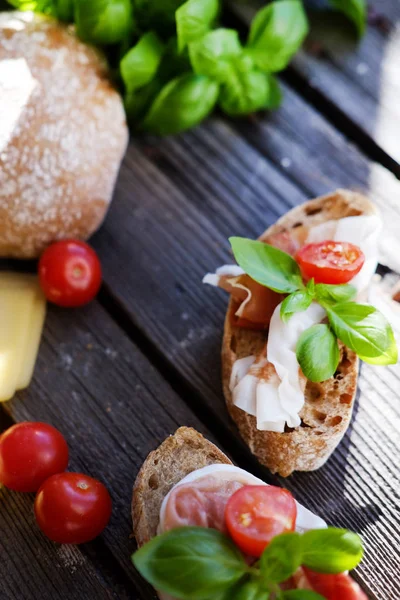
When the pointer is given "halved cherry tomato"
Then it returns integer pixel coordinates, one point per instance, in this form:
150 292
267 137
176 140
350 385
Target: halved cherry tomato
254 515
29 454
71 508
330 262
70 273
334 587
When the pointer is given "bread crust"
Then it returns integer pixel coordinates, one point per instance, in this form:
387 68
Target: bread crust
329 405
180 454
63 139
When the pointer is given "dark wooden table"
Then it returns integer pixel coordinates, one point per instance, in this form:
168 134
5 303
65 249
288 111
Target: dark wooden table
120 375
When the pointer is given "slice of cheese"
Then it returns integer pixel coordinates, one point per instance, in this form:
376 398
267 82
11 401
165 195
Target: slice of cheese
33 338
22 310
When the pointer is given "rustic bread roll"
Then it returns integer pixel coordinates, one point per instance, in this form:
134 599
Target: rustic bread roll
180 454
328 406
62 135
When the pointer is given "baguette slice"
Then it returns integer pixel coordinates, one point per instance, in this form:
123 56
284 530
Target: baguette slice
180 454
329 405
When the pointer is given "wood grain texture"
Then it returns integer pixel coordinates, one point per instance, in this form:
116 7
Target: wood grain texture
359 79
113 407
157 244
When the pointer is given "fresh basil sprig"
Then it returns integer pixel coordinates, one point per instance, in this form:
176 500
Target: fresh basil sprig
361 327
355 10
193 563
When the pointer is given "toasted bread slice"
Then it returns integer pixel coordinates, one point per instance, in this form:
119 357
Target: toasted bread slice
185 451
329 405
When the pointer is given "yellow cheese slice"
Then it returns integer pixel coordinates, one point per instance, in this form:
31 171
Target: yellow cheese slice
33 337
22 315
16 307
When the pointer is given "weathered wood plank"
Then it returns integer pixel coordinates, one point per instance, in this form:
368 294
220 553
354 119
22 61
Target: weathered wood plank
156 245
360 79
113 407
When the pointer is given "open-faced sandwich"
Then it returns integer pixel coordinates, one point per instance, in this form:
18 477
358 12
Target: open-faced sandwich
295 329
208 530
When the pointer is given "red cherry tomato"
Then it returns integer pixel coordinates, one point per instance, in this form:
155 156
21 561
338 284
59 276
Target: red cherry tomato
70 273
29 454
71 508
256 514
330 262
335 587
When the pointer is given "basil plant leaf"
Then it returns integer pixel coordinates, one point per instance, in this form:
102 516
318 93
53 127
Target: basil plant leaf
363 329
140 65
191 563
334 294
137 102
183 103
103 21
389 357
276 34
41 6
302 595
194 19
281 558
250 589
275 97
244 91
331 550
212 54
267 265
317 353
296 302
355 10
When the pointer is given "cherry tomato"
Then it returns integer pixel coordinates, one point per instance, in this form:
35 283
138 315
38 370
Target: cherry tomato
256 514
70 273
71 508
330 262
29 454
335 587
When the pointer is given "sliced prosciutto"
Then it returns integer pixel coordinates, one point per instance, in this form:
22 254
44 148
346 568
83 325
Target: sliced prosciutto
200 504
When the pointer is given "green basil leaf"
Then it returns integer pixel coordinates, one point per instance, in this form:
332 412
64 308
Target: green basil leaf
275 97
158 15
267 265
276 34
252 589
317 353
191 563
137 102
334 294
41 6
302 595
103 21
281 558
140 65
389 357
183 103
362 328
64 10
244 91
296 302
194 19
212 54
331 550
355 10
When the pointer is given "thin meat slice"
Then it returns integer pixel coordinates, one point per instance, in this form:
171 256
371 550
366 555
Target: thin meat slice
200 503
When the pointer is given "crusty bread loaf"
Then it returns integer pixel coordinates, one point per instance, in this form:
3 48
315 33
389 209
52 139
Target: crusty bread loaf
62 135
180 454
328 406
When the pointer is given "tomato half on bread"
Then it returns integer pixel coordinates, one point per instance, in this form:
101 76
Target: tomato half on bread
330 262
254 515
334 587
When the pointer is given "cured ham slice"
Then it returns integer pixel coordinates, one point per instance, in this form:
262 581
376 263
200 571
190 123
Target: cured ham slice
200 504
